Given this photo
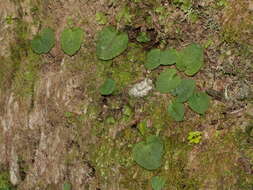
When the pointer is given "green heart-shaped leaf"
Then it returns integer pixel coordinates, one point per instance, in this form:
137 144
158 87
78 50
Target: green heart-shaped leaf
181 64
176 110
111 43
157 182
43 42
148 154
167 81
153 59
190 59
157 57
169 57
199 102
108 87
184 90
71 40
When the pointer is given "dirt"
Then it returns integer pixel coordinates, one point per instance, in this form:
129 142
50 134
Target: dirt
56 128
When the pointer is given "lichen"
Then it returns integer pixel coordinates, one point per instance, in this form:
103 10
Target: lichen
141 89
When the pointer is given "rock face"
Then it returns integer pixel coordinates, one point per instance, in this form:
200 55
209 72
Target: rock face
35 137
56 128
45 132
141 89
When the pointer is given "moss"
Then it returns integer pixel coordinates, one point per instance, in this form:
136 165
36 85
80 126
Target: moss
4 180
237 24
116 153
243 141
176 159
176 156
26 76
109 155
125 69
228 173
23 64
156 111
18 48
6 72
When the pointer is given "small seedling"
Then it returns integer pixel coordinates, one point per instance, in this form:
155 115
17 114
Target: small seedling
222 3
9 19
110 120
68 114
43 42
142 127
143 37
194 137
108 87
71 40
101 18
111 43
184 5
148 153
157 183
176 110
124 15
167 81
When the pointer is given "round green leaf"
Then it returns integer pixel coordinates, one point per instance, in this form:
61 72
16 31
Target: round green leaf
156 57
71 40
181 64
176 110
190 59
43 42
184 90
199 102
167 81
157 182
153 59
148 154
108 87
111 43
169 57
196 59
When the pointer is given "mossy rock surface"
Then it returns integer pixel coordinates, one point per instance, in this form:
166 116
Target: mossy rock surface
54 103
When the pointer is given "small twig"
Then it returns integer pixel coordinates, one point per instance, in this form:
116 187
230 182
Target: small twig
217 95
